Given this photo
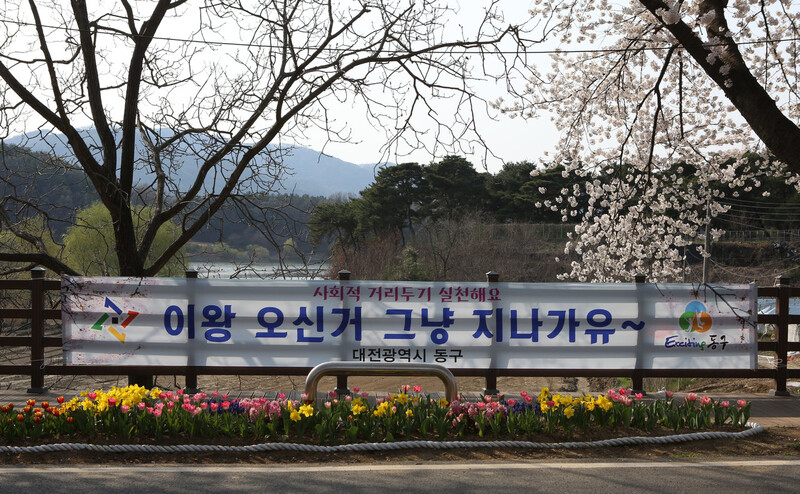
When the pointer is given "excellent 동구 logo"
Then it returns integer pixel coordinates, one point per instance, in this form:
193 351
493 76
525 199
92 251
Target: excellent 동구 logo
695 318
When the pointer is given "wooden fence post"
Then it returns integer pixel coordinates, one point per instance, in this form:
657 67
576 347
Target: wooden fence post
190 382
782 342
491 374
341 379
37 332
637 377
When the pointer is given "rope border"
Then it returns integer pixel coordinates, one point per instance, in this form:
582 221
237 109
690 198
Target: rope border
754 428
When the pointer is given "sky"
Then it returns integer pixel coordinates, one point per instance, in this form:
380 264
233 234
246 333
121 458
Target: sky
510 139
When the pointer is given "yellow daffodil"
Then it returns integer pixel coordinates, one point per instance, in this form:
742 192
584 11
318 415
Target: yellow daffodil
544 395
381 410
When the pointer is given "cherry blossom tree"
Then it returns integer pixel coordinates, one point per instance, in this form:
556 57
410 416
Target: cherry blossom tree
659 104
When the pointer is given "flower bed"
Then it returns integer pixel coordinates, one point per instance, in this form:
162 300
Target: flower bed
136 413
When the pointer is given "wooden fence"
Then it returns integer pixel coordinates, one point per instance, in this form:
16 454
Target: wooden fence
38 368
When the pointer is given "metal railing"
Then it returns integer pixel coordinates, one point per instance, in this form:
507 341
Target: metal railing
380 369
37 368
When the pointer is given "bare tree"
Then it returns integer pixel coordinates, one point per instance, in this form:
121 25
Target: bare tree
162 85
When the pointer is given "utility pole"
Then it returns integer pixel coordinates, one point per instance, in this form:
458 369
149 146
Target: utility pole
707 241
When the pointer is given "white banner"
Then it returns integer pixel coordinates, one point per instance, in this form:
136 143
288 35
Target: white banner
176 321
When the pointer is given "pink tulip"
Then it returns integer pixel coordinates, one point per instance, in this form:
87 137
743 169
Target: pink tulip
725 404
524 394
141 405
364 394
112 402
742 403
92 395
638 396
417 388
705 400
512 402
690 397
669 394
356 389
124 408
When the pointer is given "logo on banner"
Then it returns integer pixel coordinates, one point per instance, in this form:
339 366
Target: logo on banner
695 318
114 318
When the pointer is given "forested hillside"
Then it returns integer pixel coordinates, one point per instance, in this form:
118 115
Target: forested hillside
446 221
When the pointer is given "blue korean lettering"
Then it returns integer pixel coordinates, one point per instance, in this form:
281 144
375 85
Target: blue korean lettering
439 335
347 321
483 326
270 325
599 318
217 332
535 325
304 320
178 327
562 318
406 313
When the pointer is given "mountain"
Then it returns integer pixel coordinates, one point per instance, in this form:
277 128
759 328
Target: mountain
308 171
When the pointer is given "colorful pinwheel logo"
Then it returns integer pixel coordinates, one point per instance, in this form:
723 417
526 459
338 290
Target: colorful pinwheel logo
114 318
695 318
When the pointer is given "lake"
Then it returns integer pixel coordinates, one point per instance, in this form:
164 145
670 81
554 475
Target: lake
224 270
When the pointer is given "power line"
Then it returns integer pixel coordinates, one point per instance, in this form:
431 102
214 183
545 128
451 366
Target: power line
746 202
769 212
344 50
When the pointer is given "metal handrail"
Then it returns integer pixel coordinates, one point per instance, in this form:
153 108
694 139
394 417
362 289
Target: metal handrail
380 369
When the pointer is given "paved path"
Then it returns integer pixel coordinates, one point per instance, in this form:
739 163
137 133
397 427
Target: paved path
746 476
